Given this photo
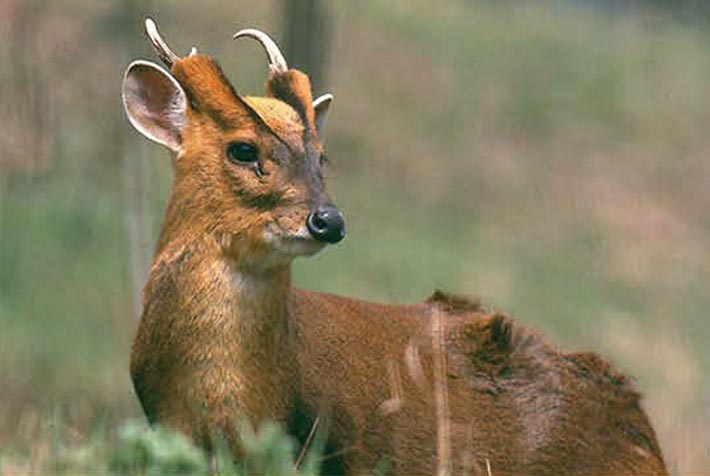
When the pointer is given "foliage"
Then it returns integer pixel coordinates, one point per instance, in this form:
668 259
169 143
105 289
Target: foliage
155 452
136 450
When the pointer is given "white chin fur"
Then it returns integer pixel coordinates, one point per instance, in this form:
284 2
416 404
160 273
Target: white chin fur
300 247
298 244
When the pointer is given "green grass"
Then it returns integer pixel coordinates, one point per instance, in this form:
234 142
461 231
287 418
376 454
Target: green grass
133 449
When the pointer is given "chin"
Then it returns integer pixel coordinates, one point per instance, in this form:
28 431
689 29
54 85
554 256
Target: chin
298 246
292 245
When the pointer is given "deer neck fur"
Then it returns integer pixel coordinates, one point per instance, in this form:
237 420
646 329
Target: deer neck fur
229 330
248 303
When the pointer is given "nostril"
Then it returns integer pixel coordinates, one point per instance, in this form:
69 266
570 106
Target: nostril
319 222
326 224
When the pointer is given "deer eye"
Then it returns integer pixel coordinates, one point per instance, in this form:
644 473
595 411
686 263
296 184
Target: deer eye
242 152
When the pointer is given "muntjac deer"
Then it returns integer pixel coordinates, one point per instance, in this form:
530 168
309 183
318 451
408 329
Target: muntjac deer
224 338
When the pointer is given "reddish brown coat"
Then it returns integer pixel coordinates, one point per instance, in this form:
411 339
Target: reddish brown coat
224 337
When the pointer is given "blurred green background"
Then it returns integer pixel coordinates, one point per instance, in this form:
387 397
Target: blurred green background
552 158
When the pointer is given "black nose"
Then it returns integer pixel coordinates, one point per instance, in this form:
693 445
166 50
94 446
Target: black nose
327 224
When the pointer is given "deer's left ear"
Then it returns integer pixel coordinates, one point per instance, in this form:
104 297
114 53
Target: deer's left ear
321 106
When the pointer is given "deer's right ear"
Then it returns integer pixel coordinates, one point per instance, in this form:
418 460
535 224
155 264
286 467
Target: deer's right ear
155 103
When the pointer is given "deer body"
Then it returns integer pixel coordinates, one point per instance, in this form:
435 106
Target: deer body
225 338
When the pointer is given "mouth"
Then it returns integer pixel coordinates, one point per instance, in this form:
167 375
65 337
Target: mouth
300 243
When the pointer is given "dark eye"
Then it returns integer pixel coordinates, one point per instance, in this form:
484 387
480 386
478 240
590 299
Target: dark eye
242 152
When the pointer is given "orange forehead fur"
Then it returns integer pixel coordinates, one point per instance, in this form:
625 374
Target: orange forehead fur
281 118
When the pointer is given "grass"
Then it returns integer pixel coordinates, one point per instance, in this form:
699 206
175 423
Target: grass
551 160
134 449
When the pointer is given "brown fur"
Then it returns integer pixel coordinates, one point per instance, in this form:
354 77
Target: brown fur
224 337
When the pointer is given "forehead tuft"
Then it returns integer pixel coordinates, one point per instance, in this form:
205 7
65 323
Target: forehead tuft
294 88
207 87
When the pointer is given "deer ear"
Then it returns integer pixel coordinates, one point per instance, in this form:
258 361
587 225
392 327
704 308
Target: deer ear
321 106
155 103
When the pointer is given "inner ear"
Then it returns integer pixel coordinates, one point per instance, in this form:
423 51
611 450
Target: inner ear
155 103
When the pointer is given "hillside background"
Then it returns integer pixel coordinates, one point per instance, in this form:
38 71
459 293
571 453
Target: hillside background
552 158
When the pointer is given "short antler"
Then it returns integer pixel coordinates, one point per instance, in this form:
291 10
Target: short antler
277 62
160 47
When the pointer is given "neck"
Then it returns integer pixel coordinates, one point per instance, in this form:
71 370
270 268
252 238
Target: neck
240 307
235 289
236 318
260 301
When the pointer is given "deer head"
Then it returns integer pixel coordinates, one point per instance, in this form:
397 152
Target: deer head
248 170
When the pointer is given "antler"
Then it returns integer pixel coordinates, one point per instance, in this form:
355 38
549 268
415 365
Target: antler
277 62
160 47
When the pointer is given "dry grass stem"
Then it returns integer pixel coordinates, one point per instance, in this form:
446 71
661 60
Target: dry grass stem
441 397
307 443
413 363
394 403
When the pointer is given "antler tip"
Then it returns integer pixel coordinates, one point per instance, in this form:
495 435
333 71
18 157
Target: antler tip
161 48
277 61
150 25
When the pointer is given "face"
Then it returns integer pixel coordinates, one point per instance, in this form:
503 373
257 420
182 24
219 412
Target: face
248 171
263 178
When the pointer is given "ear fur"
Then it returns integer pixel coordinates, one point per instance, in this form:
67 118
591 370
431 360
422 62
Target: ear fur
321 106
155 103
